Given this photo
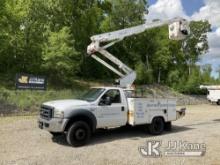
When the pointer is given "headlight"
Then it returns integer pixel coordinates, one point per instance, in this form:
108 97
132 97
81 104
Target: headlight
58 114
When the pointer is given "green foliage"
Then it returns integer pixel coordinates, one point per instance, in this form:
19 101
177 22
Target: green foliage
206 74
60 59
32 100
192 84
144 74
124 13
173 78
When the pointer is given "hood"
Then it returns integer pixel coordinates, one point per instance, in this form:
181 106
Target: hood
66 104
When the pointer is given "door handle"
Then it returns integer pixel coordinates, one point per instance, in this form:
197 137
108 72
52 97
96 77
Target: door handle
165 111
122 108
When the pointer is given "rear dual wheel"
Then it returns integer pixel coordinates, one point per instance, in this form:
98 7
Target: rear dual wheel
157 126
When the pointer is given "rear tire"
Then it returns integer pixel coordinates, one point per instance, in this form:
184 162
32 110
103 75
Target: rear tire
78 134
157 126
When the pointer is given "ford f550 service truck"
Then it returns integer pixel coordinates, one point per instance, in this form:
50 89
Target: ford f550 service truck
106 107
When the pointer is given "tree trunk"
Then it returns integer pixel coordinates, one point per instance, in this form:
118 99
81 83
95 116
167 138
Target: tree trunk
147 62
189 70
189 66
159 74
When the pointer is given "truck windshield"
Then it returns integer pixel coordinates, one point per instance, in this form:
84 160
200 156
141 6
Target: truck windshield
92 94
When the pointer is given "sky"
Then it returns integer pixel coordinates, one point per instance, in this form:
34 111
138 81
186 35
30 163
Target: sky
194 10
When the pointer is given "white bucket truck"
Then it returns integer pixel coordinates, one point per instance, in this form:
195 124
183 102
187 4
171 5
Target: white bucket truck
107 107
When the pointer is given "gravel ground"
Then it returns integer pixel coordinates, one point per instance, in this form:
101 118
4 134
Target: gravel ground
21 142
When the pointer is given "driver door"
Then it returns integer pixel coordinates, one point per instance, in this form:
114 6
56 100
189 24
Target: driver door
113 113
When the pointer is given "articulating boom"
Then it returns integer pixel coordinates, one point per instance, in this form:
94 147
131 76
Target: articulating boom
178 30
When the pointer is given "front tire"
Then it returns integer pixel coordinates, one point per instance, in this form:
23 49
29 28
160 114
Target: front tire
218 102
157 126
78 134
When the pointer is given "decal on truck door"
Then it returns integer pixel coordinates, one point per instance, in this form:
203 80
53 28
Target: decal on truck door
140 110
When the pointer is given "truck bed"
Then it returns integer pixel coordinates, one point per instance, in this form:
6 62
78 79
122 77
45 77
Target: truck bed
142 110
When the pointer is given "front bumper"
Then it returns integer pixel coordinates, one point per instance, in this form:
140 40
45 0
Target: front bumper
52 125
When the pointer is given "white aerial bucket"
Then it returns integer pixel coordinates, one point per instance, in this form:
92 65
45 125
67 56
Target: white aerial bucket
179 29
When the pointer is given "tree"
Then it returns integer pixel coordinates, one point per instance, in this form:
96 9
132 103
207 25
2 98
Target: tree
144 76
206 71
197 43
59 56
174 78
23 36
123 14
193 82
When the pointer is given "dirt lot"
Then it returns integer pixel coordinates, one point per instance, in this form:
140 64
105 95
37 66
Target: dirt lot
21 142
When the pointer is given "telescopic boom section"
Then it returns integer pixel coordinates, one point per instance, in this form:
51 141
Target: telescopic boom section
178 30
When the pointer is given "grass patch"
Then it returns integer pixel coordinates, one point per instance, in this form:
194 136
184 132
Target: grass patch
12 119
27 100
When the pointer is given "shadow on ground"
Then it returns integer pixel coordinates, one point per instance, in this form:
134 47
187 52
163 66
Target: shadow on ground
215 121
105 136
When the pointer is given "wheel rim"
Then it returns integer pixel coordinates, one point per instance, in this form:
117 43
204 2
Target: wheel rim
80 134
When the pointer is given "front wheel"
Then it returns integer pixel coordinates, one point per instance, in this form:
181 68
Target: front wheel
218 102
78 134
157 126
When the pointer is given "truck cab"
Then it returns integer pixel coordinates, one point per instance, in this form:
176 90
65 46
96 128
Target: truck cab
110 107
107 104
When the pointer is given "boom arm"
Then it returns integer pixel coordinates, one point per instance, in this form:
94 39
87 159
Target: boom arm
178 29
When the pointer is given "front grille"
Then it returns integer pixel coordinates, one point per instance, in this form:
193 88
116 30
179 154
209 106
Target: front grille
46 112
